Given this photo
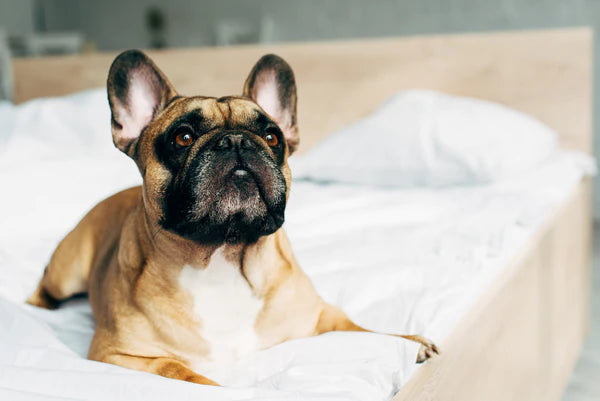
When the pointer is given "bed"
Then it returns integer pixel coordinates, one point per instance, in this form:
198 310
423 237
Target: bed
516 336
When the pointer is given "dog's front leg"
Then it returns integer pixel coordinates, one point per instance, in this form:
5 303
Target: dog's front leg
333 318
162 366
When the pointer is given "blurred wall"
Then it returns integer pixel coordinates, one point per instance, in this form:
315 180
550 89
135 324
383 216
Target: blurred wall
116 24
17 16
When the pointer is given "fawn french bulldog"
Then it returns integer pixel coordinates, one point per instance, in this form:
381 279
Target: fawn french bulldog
193 267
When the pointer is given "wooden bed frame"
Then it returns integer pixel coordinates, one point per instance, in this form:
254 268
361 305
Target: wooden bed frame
521 339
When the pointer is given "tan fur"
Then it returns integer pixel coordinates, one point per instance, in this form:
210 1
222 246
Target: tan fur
130 267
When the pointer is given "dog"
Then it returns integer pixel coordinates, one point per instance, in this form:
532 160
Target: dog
193 268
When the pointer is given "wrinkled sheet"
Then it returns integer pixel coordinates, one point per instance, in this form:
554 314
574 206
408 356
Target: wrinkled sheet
396 260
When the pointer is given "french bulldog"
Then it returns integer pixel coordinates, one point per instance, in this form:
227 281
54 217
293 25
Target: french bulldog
193 268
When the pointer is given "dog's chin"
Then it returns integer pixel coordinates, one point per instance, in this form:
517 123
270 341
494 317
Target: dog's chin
233 229
238 215
229 204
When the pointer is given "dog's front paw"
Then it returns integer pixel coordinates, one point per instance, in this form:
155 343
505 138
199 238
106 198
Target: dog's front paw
427 350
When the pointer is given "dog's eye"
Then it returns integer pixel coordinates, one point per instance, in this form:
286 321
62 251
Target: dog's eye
184 137
270 139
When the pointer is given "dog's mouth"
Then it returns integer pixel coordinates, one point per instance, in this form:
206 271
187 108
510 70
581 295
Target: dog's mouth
230 202
240 185
243 178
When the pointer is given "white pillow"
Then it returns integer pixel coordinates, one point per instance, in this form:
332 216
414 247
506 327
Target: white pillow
426 138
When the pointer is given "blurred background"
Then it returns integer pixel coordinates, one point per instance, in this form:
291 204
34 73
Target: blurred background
53 26
41 27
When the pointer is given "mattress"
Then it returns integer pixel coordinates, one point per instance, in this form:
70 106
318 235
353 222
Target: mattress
396 260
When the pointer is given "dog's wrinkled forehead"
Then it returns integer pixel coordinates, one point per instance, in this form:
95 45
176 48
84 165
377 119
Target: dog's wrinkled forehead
208 113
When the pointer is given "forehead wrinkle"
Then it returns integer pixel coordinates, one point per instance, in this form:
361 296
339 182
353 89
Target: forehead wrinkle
225 109
174 110
243 112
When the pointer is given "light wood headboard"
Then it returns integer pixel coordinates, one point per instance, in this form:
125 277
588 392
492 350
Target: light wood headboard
546 73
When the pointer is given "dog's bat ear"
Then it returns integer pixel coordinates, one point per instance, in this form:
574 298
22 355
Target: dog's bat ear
272 86
137 92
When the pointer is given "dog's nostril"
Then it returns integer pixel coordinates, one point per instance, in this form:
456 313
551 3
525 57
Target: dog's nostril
224 143
229 142
247 144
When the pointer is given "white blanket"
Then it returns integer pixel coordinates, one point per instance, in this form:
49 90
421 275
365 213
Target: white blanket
404 261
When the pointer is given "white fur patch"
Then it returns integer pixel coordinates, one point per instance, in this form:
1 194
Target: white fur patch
142 102
267 96
226 307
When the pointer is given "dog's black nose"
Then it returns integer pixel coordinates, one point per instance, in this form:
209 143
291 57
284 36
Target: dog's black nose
234 142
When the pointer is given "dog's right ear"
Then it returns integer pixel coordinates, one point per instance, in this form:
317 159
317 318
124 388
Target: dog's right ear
137 92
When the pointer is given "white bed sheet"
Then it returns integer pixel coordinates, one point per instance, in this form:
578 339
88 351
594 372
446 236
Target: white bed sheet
406 261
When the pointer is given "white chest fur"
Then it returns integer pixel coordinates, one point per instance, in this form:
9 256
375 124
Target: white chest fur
226 307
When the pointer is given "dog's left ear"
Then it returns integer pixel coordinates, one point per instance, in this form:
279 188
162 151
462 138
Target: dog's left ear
272 86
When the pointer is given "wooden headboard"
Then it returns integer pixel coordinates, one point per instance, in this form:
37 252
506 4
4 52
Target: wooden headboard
546 73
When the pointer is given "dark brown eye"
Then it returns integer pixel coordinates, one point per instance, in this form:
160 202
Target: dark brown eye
184 138
270 139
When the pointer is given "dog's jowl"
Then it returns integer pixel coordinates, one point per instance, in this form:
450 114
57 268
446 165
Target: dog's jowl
192 269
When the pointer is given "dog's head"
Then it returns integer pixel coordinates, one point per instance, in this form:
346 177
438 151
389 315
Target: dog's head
214 169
